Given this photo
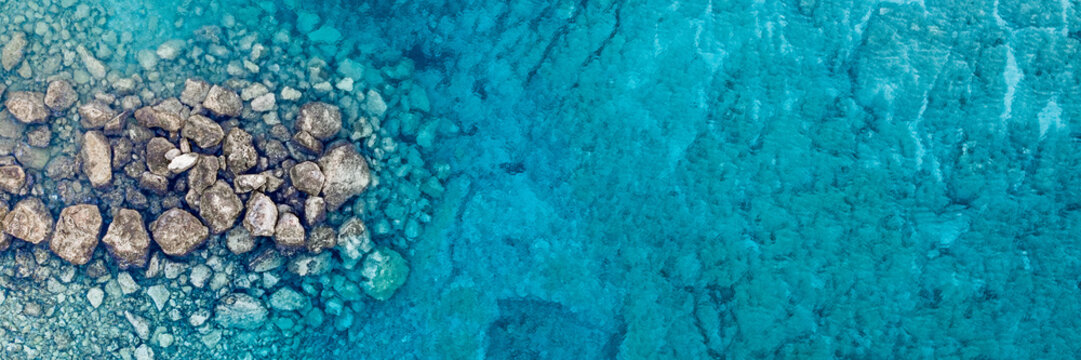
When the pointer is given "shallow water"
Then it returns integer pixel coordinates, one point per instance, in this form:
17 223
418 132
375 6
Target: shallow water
629 180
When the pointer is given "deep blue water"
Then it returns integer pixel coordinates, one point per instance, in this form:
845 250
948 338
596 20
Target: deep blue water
713 179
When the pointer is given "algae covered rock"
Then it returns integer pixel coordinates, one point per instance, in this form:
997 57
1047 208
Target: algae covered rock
29 221
76 233
127 239
241 311
386 271
178 232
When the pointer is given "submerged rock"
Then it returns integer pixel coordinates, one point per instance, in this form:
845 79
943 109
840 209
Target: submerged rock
12 178
219 207
13 51
239 240
289 234
29 221
76 233
385 271
178 232
27 107
60 95
320 119
346 173
354 242
127 239
261 216
223 102
321 238
96 156
195 92
240 310
315 210
287 299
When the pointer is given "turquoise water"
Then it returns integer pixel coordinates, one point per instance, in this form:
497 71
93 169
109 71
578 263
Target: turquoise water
642 180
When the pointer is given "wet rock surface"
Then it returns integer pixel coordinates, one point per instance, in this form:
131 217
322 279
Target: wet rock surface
29 220
127 239
26 106
76 234
178 232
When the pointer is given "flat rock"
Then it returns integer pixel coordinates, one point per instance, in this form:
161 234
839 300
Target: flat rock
240 154
127 239
27 107
206 133
183 162
289 234
223 102
76 233
13 51
12 178
60 95
261 216
95 114
96 155
307 177
219 206
178 232
29 221
195 92
346 173
320 119
241 311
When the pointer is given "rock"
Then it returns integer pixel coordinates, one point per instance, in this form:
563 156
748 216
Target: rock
264 103
326 34
311 265
127 239
239 240
159 295
287 299
308 143
60 95
199 275
253 91
147 59
96 156
322 238
178 232
95 114
27 107
204 174
144 352
289 234
139 324
385 271
290 94
95 296
155 155
127 284
183 162
261 216
29 221
315 210
374 104
239 152
219 207
13 51
320 119
307 177
171 49
31 157
195 92
92 64
76 234
206 133
346 175
152 117
250 182
153 182
39 137
241 311
354 242
223 102
12 178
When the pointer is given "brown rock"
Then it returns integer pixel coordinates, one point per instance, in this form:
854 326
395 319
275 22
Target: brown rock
151 117
39 137
96 156
307 177
178 232
320 119
60 95
346 175
155 155
29 220
289 234
5 238
261 216
27 107
239 152
249 182
322 238
76 234
203 131
95 114
12 179
153 182
204 174
219 207
223 102
127 239
308 143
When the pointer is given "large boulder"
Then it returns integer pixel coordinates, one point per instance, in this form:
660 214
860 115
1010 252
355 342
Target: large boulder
223 102
178 232
289 234
219 207
95 114
76 233
96 156
307 177
127 239
30 221
12 178
206 133
262 215
320 119
240 154
346 173
60 95
27 107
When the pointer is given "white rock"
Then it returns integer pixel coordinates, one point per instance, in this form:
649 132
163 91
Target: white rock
264 103
93 65
183 162
171 49
95 296
127 284
159 294
147 59
199 275
253 91
165 340
323 86
374 103
290 94
345 84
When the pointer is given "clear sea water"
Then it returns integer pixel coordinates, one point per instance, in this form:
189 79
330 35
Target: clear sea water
712 179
